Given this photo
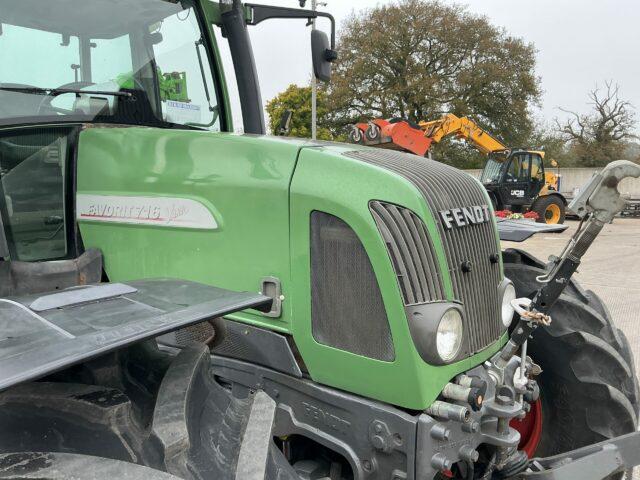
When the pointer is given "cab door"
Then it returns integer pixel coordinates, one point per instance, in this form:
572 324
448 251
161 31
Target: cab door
536 175
516 185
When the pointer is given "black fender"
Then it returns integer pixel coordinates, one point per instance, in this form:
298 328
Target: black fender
554 193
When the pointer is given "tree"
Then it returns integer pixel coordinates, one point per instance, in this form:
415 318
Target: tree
546 137
418 59
298 100
603 135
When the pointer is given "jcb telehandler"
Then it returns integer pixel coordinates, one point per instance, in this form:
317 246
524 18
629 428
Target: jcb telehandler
383 343
515 178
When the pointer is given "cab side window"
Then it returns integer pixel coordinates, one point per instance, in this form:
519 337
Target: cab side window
32 186
519 169
184 82
537 170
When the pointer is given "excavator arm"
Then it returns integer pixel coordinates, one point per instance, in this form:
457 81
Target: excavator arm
464 128
402 135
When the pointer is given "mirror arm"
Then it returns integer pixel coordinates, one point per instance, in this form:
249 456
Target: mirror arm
235 29
260 13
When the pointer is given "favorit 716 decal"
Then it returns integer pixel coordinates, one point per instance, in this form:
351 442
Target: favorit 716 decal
135 210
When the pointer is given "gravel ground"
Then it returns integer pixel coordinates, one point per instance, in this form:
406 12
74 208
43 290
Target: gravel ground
611 268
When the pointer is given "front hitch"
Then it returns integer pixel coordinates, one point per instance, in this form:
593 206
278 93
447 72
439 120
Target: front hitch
596 205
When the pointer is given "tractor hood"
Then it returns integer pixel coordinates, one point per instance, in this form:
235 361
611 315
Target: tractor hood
41 334
508 230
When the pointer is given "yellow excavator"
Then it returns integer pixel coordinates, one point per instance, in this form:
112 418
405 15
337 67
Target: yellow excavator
515 178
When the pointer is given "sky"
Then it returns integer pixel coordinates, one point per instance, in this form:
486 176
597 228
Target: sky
579 44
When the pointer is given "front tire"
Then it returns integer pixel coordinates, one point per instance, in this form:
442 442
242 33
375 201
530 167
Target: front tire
550 209
589 390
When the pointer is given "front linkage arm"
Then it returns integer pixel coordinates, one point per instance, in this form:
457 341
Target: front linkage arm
596 205
593 462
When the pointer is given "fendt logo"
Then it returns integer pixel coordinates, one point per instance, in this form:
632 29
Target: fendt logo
461 217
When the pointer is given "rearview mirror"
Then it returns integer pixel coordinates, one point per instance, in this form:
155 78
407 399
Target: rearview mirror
285 123
322 55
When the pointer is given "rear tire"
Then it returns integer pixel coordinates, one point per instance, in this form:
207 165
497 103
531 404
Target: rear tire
550 209
589 390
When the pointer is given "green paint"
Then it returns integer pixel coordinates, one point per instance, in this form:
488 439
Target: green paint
244 179
212 12
329 182
261 191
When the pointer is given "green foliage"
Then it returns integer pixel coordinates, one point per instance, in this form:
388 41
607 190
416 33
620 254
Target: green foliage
298 100
555 147
418 59
458 153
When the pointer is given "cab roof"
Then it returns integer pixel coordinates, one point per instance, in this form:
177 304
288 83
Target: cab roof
88 18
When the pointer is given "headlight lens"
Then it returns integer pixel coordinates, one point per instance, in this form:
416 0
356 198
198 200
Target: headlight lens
508 294
449 335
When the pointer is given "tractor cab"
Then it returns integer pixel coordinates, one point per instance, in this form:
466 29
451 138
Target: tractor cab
516 180
147 65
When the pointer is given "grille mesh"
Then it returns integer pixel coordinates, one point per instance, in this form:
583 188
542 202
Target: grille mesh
444 187
411 252
347 311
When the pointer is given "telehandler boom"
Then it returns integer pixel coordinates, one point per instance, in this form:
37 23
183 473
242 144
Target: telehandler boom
181 301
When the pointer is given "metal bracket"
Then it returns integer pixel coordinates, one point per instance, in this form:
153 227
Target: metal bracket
593 462
253 459
272 288
601 196
4 245
380 436
260 13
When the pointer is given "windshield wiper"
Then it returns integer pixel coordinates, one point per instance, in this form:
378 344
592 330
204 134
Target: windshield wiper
54 92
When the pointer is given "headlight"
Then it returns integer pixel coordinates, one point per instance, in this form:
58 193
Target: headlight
437 331
508 294
449 335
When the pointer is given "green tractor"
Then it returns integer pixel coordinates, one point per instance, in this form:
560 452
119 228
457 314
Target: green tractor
179 301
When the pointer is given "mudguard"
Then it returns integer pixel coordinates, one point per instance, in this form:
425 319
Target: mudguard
44 333
67 466
520 230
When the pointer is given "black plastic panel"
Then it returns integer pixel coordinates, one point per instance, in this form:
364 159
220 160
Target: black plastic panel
35 344
519 231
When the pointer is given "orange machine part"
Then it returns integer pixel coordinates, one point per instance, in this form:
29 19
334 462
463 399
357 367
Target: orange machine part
407 137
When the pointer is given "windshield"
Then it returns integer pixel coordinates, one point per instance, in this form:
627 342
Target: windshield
127 61
494 168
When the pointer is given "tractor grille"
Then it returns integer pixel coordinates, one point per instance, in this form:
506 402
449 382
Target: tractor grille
443 188
347 310
411 252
